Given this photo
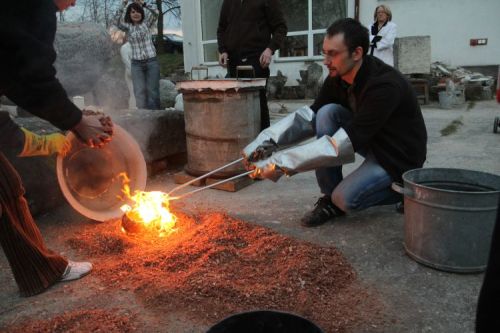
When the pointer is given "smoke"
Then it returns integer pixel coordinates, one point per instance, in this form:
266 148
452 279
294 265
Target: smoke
89 64
145 126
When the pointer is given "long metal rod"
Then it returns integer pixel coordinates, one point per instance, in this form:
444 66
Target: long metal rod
212 185
204 176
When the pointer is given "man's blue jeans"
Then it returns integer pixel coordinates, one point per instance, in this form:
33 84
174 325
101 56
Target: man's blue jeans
368 185
146 82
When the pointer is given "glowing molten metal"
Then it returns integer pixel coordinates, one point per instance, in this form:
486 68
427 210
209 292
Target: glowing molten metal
149 211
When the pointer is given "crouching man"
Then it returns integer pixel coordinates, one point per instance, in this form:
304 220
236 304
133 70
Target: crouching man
364 106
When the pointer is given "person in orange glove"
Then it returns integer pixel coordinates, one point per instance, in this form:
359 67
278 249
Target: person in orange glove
27 77
43 145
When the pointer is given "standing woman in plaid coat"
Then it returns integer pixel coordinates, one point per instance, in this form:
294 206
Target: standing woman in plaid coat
145 68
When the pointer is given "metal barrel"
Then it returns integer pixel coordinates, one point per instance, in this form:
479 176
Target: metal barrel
449 217
221 117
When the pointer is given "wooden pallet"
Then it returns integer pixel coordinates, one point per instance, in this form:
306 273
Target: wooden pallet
230 186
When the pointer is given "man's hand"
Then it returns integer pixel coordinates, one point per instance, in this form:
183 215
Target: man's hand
375 40
44 145
95 129
265 58
266 170
263 151
223 57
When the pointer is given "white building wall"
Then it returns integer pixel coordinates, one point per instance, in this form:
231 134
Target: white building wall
191 26
450 23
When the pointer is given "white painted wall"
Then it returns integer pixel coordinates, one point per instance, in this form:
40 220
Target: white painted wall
190 16
450 23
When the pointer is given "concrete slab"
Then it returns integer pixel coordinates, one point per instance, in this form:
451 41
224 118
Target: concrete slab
420 298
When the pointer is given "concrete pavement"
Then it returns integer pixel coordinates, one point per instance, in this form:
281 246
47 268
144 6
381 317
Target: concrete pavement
421 299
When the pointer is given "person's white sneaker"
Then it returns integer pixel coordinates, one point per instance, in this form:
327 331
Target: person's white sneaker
76 270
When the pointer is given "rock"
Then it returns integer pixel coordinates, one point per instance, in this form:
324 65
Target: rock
412 54
179 103
38 173
275 85
310 80
159 133
83 54
167 93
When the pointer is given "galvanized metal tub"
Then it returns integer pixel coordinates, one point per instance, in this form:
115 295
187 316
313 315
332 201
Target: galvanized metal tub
449 217
221 117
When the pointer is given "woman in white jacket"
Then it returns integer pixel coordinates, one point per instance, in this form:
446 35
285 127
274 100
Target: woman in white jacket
382 35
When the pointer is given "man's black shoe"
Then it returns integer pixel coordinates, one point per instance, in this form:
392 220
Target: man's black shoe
323 210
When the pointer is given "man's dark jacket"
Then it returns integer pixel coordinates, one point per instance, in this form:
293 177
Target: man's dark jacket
386 116
248 27
27 74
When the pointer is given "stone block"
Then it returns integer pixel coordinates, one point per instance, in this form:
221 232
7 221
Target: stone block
159 133
275 86
167 93
83 54
310 80
412 55
38 174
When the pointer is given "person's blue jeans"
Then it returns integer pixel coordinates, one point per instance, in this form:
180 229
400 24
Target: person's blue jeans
146 82
368 185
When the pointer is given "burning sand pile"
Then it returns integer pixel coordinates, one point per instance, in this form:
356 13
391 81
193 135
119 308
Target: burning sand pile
80 321
213 266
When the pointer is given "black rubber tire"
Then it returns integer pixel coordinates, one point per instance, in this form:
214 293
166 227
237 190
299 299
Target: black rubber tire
496 124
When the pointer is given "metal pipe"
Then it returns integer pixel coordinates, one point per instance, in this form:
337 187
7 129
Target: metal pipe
205 175
211 185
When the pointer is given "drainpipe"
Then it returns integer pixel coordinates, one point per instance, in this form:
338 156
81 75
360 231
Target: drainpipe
356 10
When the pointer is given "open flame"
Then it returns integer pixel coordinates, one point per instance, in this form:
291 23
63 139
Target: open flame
150 209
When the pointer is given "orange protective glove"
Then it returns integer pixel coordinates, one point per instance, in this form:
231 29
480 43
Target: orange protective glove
44 145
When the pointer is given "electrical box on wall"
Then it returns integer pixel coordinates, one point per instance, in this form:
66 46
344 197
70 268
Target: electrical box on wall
478 41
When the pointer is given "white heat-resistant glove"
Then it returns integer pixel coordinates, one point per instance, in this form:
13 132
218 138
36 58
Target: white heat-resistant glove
322 153
292 129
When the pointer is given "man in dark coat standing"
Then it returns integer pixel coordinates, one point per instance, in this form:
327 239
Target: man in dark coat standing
248 34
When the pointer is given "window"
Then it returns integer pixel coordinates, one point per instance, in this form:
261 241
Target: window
210 11
307 21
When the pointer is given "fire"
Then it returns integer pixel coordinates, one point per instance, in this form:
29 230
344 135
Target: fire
150 209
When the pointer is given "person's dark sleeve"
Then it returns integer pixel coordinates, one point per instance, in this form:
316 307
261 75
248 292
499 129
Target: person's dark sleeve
277 23
377 106
11 135
325 95
222 26
487 318
27 54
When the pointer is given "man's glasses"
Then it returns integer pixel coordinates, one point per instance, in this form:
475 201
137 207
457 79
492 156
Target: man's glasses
332 54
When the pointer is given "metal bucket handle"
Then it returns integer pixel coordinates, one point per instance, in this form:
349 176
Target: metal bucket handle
199 69
244 68
399 188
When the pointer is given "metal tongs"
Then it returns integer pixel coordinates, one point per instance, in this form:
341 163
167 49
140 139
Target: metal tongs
208 186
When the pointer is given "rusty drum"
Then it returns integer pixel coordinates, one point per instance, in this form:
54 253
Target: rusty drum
221 117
